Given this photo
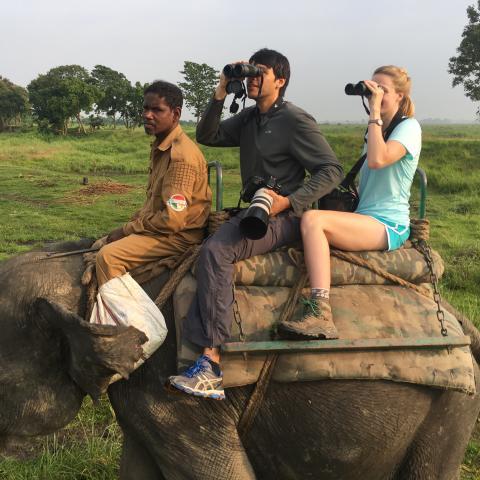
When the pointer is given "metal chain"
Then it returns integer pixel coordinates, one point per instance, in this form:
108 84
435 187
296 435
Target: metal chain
237 317
426 251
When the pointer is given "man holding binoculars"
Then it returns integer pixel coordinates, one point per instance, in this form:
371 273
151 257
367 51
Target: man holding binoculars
277 140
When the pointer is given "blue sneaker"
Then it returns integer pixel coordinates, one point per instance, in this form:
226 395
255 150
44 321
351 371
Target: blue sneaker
200 380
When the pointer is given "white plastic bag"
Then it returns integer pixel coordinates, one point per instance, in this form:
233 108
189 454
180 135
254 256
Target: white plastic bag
121 301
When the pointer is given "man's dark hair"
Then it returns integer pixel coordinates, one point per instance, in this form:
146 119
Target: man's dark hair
171 93
276 61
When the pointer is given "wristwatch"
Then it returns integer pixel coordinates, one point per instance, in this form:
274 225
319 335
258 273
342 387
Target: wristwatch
376 121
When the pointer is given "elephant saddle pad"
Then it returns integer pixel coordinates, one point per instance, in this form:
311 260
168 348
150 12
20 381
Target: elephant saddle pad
360 311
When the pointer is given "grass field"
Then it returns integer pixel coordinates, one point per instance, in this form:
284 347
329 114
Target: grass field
42 199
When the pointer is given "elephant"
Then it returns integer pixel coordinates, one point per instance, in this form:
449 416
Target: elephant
328 429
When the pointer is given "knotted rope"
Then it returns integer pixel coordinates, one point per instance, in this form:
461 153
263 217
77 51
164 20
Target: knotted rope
184 264
419 229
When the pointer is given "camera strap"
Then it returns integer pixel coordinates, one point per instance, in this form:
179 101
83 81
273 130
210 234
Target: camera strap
365 105
350 177
242 95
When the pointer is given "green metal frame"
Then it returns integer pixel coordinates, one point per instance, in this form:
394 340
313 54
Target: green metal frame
346 344
422 177
422 181
219 183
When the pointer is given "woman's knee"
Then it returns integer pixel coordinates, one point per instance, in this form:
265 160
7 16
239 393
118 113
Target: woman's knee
311 219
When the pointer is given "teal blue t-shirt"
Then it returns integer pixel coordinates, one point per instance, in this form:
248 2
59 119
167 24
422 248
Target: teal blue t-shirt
385 192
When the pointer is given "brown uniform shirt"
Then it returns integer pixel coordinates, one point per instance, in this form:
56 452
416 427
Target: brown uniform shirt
178 196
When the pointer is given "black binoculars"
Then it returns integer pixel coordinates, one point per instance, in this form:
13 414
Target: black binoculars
357 89
240 70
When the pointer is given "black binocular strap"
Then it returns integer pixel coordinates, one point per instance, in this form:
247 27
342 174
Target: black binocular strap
350 177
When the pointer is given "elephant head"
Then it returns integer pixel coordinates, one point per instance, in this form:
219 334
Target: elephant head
49 357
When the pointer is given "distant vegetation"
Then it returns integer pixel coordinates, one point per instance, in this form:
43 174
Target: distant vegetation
13 103
102 96
465 67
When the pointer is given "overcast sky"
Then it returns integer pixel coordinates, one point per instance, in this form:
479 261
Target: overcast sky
328 43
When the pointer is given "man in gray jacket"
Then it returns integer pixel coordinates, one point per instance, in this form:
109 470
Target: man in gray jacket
277 139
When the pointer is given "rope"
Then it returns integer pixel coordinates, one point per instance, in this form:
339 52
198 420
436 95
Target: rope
361 262
186 261
256 398
259 391
419 229
92 290
216 219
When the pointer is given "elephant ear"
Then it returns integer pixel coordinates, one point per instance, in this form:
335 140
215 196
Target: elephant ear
96 352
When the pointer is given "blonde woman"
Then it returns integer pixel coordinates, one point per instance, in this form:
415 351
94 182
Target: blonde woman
381 220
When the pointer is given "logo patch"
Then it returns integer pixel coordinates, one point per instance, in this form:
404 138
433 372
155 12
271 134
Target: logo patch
177 202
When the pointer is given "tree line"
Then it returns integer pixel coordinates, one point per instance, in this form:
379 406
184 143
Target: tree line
67 92
64 92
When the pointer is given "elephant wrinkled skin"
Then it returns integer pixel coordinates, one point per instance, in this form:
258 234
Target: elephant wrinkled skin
324 429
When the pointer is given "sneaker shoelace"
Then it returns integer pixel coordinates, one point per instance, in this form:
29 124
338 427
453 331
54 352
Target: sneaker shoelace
198 367
310 307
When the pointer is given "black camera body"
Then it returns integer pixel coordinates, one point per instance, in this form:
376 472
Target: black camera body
357 89
255 222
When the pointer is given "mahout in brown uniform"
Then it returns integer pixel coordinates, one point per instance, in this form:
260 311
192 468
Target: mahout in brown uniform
178 200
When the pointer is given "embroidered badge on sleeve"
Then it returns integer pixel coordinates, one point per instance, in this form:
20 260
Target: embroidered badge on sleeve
177 202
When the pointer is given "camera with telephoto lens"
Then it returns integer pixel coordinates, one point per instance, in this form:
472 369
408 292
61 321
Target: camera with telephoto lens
357 89
255 222
235 71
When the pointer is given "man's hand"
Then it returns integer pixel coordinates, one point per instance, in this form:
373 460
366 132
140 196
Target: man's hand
115 235
221 89
279 204
90 260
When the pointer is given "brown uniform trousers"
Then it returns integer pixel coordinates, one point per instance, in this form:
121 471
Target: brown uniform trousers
174 214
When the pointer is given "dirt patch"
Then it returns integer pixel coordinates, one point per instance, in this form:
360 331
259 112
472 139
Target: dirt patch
26 201
88 194
45 153
104 188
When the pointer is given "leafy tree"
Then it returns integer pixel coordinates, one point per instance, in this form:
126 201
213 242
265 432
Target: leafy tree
62 93
114 90
466 66
132 109
199 85
13 102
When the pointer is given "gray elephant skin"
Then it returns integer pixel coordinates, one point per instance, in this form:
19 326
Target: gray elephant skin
319 430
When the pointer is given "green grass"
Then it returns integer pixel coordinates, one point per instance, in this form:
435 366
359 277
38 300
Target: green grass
42 199
87 449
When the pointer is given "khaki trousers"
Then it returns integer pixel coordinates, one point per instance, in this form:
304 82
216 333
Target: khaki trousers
117 258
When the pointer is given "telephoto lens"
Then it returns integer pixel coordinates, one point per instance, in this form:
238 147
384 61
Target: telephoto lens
255 222
357 89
